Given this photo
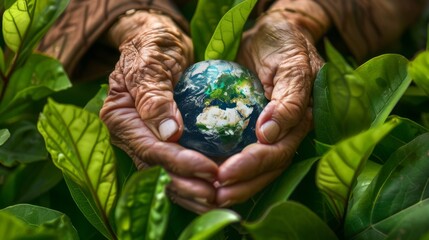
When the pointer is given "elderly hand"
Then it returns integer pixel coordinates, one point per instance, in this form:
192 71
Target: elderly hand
282 54
140 111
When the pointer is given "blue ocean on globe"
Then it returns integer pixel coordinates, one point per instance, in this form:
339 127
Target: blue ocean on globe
220 102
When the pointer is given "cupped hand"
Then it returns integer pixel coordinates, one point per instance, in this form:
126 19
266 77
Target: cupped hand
285 60
140 111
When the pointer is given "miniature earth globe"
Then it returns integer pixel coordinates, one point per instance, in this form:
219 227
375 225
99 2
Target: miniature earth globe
220 102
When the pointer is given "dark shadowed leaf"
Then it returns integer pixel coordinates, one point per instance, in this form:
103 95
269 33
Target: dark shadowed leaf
94 104
208 224
339 167
397 201
143 207
289 220
281 189
348 101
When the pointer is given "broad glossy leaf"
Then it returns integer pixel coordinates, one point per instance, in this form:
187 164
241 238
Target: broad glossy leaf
204 21
338 169
208 224
25 145
28 21
79 144
289 220
29 181
226 38
369 171
349 101
143 207
406 131
44 218
419 71
39 77
16 21
399 194
95 104
281 189
4 136
16 229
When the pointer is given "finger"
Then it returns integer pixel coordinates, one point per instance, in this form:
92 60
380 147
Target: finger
130 133
291 91
152 64
189 204
193 189
258 159
240 192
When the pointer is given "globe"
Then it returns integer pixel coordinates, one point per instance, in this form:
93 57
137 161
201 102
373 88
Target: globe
220 102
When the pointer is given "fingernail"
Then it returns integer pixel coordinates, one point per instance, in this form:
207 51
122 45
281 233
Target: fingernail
167 128
201 200
270 131
226 204
207 176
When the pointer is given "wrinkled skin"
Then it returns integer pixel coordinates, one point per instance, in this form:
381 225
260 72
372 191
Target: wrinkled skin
140 100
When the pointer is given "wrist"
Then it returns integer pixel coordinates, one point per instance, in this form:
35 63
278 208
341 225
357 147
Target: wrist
308 16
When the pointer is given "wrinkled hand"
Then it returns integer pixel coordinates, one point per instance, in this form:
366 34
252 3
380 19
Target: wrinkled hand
140 111
286 62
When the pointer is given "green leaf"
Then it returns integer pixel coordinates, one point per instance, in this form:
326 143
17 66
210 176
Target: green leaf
281 189
46 218
338 169
39 77
419 71
208 224
79 144
204 21
86 205
406 131
226 38
397 200
94 104
16 229
29 181
27 21
364 179
25 145
16 21
4 136
2 64
143 207
289 220
348 101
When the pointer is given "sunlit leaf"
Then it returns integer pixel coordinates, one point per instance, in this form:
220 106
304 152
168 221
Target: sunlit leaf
2 63
44 218
204 21
4 136
16 21
79 144
281 189
419 71
397 200
338 169
208 224
226 38
16 229
289 220
39 77
27 21
143 207
349 101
